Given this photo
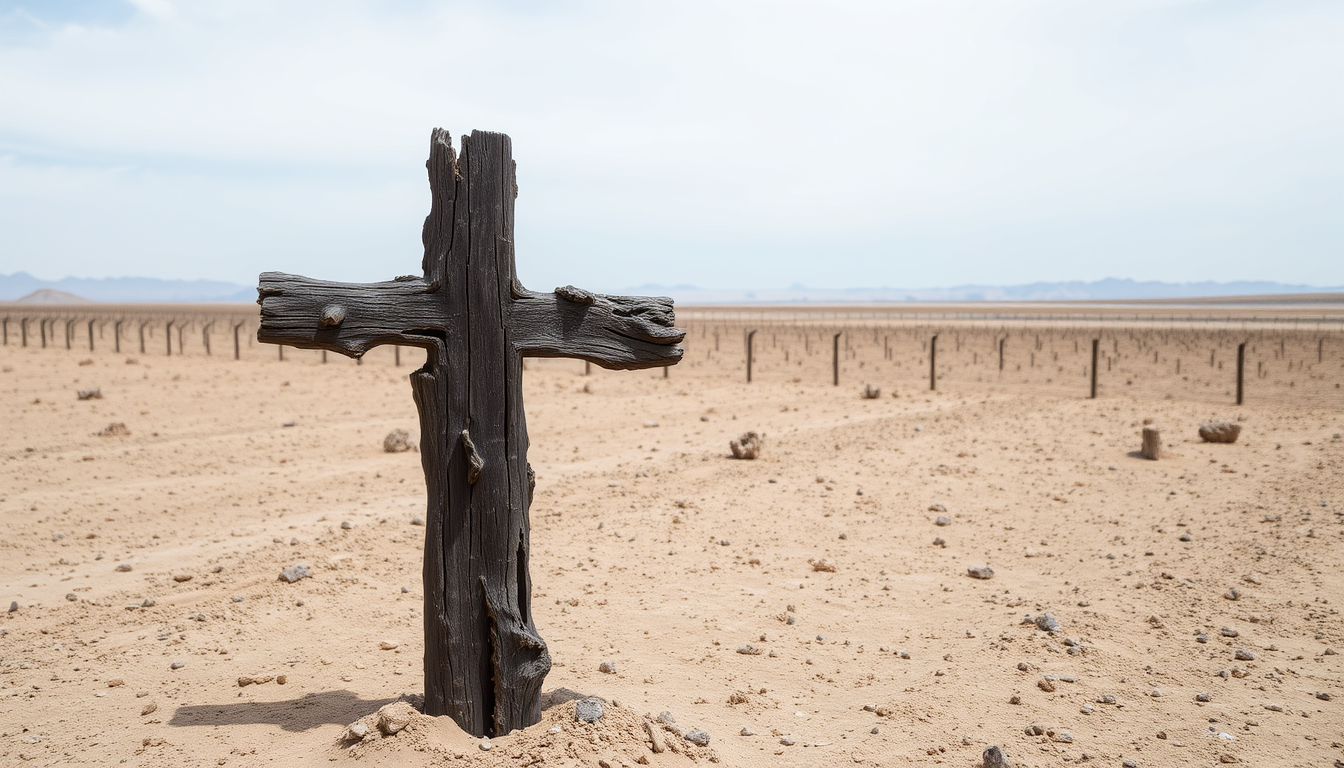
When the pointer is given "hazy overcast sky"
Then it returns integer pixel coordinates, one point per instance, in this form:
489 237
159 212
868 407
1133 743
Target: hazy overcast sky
721 144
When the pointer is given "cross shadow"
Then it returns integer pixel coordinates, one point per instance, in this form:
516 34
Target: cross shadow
302 714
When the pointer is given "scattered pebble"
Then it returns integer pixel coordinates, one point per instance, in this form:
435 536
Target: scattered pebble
607 667
1228 632
387 645
178 664
1232 594
980 572
787 741
149 708
1323 696
749 650
589 710
1203 697
746 732
71 596
1241 654
181 577
943 520
995 758
394 717
1047 622
938 542
485 744
123 567
346 525
294 572
697 736
417 520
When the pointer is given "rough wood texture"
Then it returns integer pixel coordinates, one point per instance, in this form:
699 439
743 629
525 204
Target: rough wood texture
484 661
1152 443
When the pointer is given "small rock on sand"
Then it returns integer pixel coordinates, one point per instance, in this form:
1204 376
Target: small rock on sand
388 645
178 664
994 758
149 709
589 710
294 572
748 446
697 736
93 393
980 572
1047 622
607 667
395 716
1219 431
397 441
749 650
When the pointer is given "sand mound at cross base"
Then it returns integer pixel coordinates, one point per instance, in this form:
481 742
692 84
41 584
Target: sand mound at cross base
619 737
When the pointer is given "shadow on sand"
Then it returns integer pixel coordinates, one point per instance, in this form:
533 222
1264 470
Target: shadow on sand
302 714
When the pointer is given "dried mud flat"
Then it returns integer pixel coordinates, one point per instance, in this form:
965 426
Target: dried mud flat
800 596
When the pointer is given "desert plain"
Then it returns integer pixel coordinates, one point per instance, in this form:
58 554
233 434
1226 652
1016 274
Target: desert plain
811 607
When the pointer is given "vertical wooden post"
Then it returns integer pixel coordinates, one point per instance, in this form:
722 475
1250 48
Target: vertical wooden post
396 355
6 324
835 360
142 336
116 336
1320 350
281 347
587 368
23 330
69 331
751 335
236 351
933 363
1241 370
42 327
666 368
91 322
205 336
168 337
1001 341
324 357
1096 346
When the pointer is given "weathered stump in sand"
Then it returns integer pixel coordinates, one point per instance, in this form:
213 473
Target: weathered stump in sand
1152 442
484 661
1219 431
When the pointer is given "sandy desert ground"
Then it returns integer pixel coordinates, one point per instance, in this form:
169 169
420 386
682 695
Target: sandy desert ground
130 555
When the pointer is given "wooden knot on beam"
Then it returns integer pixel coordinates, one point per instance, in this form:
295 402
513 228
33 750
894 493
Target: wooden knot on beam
332 316
474 462
576 295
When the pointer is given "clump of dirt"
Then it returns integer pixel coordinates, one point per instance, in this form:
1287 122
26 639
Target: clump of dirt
748 446
620 738
398 441
93 393
115 429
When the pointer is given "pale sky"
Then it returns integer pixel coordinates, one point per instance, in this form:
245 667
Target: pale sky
721 144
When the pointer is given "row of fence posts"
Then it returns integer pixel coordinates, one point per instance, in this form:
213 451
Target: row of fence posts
45 322
933 362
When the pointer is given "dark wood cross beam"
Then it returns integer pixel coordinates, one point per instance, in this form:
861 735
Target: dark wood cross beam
484 661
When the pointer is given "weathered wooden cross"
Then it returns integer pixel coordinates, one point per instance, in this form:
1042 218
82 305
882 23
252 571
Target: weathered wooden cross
484 661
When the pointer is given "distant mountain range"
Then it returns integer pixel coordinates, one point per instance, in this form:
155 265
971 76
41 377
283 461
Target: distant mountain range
1111 289
128 290
148 289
